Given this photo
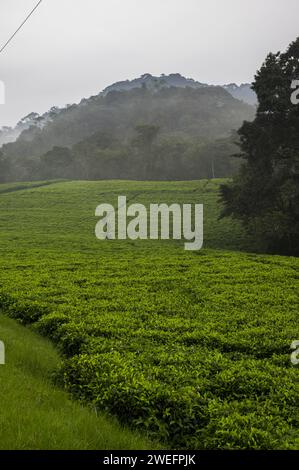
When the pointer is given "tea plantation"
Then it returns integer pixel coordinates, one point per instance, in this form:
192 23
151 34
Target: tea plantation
191 347
35 414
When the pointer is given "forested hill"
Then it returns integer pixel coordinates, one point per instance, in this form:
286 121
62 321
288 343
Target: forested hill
242 92
206 113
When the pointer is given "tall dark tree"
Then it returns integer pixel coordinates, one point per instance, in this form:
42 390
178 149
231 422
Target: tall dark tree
57 163
5 168
265 194
146 136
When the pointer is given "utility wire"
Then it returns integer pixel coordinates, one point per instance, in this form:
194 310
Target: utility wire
16 32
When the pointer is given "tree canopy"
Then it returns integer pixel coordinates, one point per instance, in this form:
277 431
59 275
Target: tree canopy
265 193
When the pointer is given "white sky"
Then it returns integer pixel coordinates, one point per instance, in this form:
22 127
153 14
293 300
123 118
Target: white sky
72 49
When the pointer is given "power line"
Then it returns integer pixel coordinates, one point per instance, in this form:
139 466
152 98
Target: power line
16 32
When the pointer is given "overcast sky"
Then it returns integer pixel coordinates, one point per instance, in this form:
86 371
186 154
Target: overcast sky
72 49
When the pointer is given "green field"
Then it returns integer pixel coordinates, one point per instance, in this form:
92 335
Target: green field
191 347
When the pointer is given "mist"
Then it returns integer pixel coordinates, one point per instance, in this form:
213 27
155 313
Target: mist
69 49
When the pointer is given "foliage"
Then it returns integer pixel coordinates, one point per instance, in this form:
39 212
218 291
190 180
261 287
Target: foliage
265 194
191 347
36 414
71 143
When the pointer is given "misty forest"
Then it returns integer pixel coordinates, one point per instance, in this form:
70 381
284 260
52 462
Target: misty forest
166 128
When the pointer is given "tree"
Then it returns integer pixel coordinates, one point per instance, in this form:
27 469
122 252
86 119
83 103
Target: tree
265 194
57 163
5 168
146 136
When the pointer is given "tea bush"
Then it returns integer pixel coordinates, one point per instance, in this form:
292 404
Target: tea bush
194 348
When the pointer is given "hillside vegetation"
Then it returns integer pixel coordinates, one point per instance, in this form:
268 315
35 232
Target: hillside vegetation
194 347
264 196
241 92
97 139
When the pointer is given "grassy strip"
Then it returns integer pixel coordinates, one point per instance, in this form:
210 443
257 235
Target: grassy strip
37 415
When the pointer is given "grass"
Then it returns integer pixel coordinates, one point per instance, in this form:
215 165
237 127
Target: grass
191 347
37 415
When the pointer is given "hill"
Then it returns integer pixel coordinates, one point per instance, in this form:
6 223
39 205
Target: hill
208 113
193 347
199 116
242 92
